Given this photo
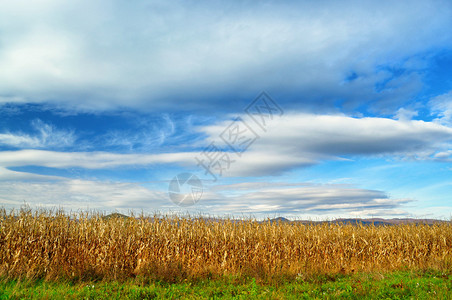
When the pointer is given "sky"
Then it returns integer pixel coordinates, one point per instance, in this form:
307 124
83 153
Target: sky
302 109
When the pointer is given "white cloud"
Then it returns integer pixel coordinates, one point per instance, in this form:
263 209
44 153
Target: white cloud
82 194
445 156
147 136
9 175
46 136
17 140
88 160
404 114
300 200
441 106
299 139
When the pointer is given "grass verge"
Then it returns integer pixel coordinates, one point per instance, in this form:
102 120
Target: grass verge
426 284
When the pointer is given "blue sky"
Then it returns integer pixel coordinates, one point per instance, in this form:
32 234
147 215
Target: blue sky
103 103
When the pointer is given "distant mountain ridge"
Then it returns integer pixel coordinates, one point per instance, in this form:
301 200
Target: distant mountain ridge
353 221
370 221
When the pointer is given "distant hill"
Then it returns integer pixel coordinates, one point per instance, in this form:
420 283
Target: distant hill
395 221
115 215
280 219
373 221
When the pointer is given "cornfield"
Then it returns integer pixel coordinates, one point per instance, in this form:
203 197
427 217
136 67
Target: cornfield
54 245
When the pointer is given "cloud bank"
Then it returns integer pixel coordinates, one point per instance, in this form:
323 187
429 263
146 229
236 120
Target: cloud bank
107 54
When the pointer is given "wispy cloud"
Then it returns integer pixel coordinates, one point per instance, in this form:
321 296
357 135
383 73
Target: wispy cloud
441 107
44 136
19 141
145 135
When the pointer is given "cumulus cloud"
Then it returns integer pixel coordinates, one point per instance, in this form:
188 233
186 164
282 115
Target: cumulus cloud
106 54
